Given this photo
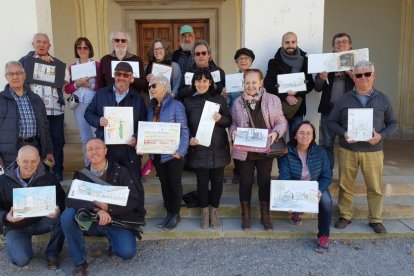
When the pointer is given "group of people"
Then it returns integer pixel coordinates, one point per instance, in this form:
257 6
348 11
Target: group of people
31 132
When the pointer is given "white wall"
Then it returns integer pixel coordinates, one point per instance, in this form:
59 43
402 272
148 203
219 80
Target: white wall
265 22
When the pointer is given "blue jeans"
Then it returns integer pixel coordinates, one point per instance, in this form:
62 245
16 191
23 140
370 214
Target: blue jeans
293 122
328 138
85 129
122 241
58 140
19 241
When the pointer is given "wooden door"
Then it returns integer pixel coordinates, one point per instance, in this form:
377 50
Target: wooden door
169 31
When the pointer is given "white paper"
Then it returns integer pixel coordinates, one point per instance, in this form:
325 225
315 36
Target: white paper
161 70
82 190
120 124
216 76
207 123
360 123
83 70
34 201
294 195
291 82
252 137
336 62
134 65
44 72
158 137
188 77
234 82
1 170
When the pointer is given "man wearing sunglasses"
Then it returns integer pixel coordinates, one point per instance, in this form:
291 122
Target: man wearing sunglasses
367 155
120 43
121 94
333 85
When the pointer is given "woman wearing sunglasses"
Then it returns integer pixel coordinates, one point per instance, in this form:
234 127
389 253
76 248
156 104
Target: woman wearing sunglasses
159 52
83 88
266 112
208 162
169 167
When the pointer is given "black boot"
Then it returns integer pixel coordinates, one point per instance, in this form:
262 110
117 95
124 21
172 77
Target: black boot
174 221
164 221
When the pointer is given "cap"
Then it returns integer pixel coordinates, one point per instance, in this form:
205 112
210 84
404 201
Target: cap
124 66
244 51
186 29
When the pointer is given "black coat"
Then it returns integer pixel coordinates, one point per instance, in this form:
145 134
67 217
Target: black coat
9 181
218 153
9 125
276 67
116 175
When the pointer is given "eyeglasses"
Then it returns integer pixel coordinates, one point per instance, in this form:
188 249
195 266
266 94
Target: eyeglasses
80 48
243 59
15 74
367 75
125 75
117 40
345 41
152 85
158 49
203 53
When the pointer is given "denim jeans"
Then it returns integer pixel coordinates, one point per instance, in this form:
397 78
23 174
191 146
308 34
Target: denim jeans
122 241
325 214
328 138
85 129
19 241
58 140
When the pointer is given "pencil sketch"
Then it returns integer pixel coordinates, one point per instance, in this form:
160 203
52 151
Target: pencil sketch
120 124
252 137
44 72
294 195
162 70
291 82
360 124
34 201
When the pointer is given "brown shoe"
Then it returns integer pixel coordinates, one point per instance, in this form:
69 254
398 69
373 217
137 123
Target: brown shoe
81 270
245 206
378 227
265 216
342 223
214 218
53 264
204 218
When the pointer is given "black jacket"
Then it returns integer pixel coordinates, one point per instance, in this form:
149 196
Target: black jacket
218 153
9 181
275 67
116 175
9 125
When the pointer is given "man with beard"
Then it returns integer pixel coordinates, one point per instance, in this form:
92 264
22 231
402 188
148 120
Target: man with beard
289 59
120 42
183 56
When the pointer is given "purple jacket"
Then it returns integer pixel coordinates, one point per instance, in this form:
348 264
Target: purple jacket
272 114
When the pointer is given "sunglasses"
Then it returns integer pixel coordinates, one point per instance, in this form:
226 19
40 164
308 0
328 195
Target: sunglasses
367 75
125 75
153 85
122 40
80 48
204 53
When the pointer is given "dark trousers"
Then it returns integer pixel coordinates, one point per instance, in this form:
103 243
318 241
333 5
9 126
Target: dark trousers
58 140
126 156
215 177
325 214
236 170
264 169
169 174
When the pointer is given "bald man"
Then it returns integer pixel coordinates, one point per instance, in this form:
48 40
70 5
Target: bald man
26 172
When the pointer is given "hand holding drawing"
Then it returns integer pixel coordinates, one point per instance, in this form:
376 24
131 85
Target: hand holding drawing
176 155
83 82
224 93
346 136
290 99
132 142
376 139
193 141
319 195
47 58
11 218
323 75
103 122
56 214
217 117
149 78
273 136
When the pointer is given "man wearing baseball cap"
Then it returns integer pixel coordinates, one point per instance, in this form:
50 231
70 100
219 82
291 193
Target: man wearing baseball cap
121 94
182 55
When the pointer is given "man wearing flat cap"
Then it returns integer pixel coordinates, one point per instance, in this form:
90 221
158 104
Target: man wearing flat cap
121 94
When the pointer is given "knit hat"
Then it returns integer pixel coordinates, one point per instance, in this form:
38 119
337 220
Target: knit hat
244 51
186 29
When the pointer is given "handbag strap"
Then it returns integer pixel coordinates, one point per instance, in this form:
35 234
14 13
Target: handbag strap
250 116
93 177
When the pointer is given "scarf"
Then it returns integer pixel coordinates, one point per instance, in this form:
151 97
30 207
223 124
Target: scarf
252 100
156 107
295 61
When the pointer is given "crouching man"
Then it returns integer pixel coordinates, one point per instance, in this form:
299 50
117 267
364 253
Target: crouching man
106 219
28 171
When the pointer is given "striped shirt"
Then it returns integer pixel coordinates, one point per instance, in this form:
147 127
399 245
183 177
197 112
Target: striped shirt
27 118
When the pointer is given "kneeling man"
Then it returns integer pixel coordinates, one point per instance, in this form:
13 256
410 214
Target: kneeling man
122 241
28 171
